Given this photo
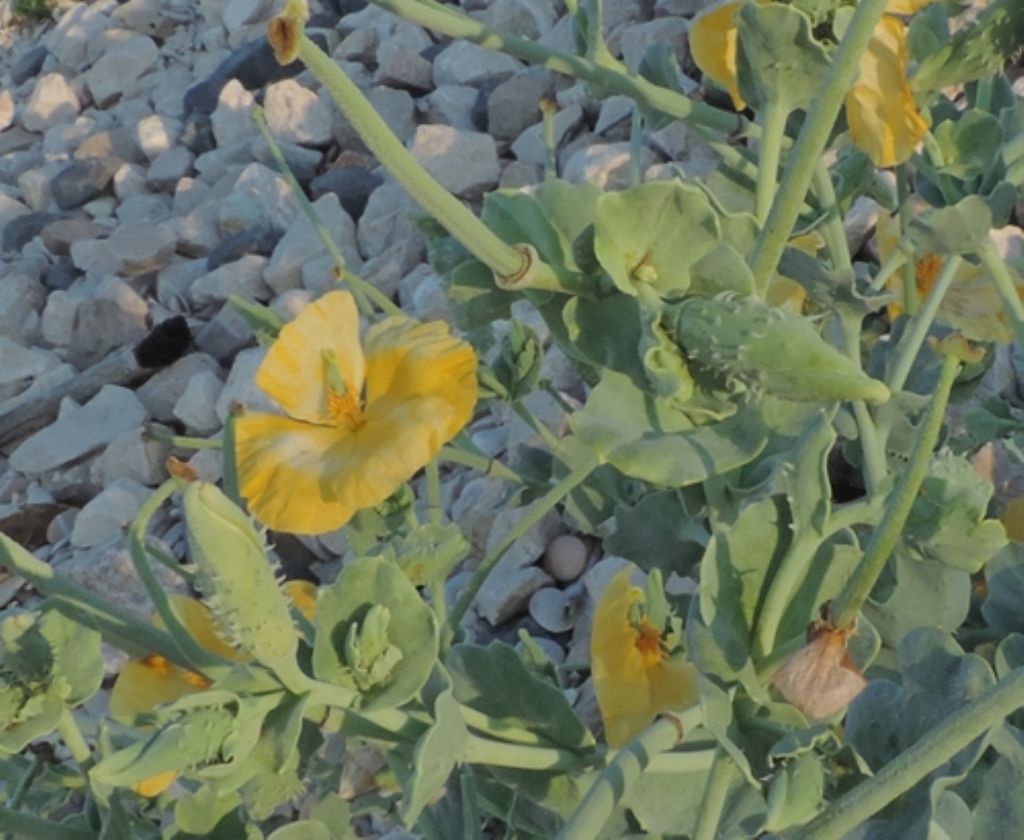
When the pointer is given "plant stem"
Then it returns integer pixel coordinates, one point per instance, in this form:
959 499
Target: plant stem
435 513
914 338
723 771
871 444
182 441
804 156
535 423
481 463
537 511
623 772
361 290
905 215
772 131
832 229
897 259
845 608
502 754
513 267
548 109
791 573
230 458
636 147
118 627
1006 283
196 655
29 825
73 739
17 795
458 25
944 741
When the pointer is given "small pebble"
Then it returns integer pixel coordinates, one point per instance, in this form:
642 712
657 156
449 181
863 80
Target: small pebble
565 558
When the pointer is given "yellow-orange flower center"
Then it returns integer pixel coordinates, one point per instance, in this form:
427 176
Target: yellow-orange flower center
162 667
648 642
927 270
344 410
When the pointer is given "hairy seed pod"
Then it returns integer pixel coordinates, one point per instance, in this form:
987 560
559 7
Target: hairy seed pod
236 577
782 353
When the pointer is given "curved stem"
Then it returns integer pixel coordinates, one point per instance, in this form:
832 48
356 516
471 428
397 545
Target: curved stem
538 510
535 423
480 463
858 587
787 580
897 259
832 229
712 804
814 135
910 300
506 262
73 739
914 338
502 754
623 772
871 443
458 25
897 777
772 131
1006 283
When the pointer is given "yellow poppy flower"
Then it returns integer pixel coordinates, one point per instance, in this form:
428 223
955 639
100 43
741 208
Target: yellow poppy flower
972 304
634 677
357 426
146 683
713 43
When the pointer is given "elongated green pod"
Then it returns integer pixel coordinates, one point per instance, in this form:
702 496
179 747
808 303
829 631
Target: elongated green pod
780 352
237 579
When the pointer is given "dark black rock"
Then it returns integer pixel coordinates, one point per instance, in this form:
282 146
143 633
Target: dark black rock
82 181
21 230
344 7
253 64
255 240
478 114
28 65
352 185
432 52
165 343
197 134
60 276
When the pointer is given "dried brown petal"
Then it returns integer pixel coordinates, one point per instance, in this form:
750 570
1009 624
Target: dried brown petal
820 679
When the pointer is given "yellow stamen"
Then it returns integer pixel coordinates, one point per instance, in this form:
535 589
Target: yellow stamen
344 409
648 642
162 668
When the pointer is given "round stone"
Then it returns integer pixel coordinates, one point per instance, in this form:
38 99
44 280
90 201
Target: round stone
565 558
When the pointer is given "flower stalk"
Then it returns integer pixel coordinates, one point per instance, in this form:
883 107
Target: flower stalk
1006 284
712 804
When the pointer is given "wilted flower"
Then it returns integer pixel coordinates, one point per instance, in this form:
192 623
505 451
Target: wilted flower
152 681
358 426
820 679
635 675
713 41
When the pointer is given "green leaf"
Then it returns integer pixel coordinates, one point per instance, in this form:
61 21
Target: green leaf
778 60
477 300
302 830
437 752
607 332
1005 576
969 144
495 681
795 794
947 522
659 533
77 655
199 812
430 552
362 584
805 481
335 813
652 439
651 235
959 229
570 207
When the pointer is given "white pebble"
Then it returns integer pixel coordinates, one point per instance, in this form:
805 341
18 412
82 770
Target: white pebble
565 558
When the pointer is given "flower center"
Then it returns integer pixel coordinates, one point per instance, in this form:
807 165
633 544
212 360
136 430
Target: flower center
648 642
343 403
927 270
162 667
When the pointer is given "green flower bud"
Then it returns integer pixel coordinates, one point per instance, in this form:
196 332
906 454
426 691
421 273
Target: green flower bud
369 654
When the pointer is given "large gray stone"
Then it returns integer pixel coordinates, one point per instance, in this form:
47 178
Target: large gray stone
143 247
107 515
53 101
79 430
301 243
129 58
297 114
464 162
163 390
83 180
243 277
465 63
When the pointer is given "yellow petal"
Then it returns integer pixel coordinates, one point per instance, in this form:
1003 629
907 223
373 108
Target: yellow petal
406 359
880 108
144 684
906 7
293 371
303 596
155 785
713 43
787 294
285 470
201 626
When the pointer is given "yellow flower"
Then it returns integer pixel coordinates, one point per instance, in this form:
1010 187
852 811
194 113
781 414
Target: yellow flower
146 683
634 677
357 426
972 304
713 40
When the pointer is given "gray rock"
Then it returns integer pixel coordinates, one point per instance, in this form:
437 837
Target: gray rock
860 221
10 209
401 67
255 240
129 181
60 276
303 161
77 37
6 110
156 134
516 174
297 114
144 17
106 516
351 184
162 391
169 168
514 105
101 325
465 63
195 407
146 207
23 296
241 385
464 162
604 164
359 45
637 38
82 181
224 335
230 121
260 196
53 101
396 108
28 64
529 146
114 143
34 185
239 14
79 430
301 243
128 58
59 235
142 247
506 593
243 277
18 363
451 105
21 230
528 19
58 319
387 219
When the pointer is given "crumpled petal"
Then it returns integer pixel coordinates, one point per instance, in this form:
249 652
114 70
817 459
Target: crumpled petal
303 596
880 108
155 785
144 684
907 7
630 692
713 45
292 373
